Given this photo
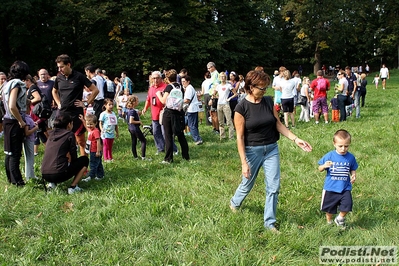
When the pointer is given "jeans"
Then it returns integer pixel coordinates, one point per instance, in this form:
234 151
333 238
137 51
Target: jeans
96 166
341 107
357 103
266 156
159 136
192 123
157 131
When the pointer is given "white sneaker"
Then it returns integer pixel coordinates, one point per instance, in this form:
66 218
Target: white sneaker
176 153
51 185
73 190
165 162
146 159
86 179
99 178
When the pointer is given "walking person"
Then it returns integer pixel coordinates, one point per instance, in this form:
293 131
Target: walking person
258 130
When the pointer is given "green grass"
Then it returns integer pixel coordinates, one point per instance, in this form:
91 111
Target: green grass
145 213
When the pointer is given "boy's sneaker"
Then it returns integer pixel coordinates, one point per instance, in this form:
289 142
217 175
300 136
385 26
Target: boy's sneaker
99 178
73 190
340 221
51 185
87 179
165 162
146 159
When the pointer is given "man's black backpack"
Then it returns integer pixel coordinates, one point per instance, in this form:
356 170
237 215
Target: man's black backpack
43 109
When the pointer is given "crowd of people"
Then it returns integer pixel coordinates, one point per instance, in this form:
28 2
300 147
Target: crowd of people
77 103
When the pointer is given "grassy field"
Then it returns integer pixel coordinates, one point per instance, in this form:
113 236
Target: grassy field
146 213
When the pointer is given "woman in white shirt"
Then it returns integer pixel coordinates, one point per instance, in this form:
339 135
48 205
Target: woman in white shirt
342 95
288 91
223 108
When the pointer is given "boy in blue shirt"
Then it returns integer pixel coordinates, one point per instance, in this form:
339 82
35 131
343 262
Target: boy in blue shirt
341 174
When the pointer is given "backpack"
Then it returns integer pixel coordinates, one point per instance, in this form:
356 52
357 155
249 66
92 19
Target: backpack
43 109
175 98
322 84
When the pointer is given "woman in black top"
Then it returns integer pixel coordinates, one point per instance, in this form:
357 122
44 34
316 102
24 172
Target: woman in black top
258 129
173 120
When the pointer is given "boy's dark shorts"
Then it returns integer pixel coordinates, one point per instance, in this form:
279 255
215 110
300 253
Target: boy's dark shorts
331 200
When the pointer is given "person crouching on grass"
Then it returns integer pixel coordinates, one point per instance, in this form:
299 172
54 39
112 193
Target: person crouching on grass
60 160
341 174
93 147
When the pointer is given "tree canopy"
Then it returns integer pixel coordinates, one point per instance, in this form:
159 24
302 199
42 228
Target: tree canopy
141 36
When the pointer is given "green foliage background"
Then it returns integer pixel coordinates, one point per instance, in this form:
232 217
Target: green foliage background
141 36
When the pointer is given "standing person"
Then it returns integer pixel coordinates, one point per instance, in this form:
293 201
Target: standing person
288 92
205 86
14 99
127 83
109 129
134 122
320 86
376 80
214 82
34 95
46 86
363 89
118 89
304 116
340 167
352 88
93 147
173 119
258 130
99 82
3 79
223 108
384 75
29 143
60 160
342 95
277 86
234 81
68 95
190 98
153 102
367 69
334 108
359 91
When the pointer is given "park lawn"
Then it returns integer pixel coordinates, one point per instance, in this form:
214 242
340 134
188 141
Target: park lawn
146 213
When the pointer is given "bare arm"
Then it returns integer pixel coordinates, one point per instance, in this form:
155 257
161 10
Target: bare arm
287 133
36 98
56 98
29 132
239 122
12 102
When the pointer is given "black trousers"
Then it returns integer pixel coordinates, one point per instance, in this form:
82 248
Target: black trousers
169 135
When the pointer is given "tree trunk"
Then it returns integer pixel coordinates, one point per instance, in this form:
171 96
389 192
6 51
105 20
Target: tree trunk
317 62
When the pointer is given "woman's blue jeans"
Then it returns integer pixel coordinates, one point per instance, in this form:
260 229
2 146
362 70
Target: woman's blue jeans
268 157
